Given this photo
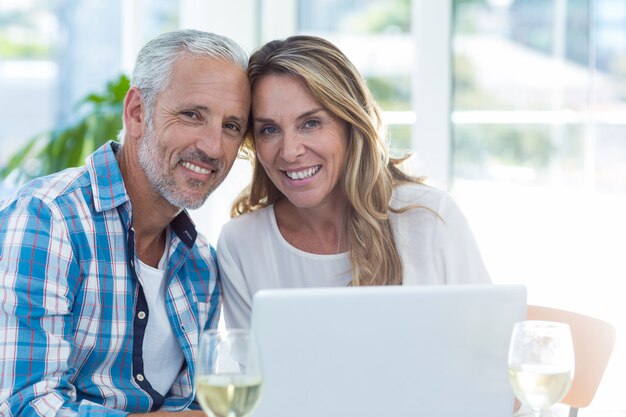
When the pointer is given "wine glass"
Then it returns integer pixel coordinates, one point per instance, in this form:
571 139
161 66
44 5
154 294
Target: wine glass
228 374
541 364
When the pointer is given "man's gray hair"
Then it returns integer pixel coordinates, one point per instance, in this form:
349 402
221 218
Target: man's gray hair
153 68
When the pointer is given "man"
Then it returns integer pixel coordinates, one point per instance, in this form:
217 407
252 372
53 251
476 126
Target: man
105 284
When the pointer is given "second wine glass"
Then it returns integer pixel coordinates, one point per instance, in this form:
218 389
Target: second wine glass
541 364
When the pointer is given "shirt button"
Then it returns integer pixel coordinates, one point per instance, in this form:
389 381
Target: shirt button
141 315
139 377
132 263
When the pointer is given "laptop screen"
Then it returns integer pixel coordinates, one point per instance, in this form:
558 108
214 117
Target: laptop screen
382 351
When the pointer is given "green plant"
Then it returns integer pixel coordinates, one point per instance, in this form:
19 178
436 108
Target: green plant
67 146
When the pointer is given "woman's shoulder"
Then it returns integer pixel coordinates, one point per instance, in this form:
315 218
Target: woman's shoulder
426 204
248 225
419 194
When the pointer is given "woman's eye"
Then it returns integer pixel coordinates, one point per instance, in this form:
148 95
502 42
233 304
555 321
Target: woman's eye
311 123
268 130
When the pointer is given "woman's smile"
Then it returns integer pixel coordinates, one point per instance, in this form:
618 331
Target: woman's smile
303 174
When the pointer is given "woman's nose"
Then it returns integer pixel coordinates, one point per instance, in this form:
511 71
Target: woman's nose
292 147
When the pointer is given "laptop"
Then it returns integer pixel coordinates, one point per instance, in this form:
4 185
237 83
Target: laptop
431 351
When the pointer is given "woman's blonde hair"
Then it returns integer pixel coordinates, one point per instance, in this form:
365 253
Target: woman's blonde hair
369 175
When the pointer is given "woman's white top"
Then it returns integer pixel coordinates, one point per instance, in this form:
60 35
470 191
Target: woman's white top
434 241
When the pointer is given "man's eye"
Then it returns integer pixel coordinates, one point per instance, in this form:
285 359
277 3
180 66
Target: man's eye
190 114
232 126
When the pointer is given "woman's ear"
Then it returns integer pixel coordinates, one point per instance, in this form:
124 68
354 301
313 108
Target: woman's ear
134 113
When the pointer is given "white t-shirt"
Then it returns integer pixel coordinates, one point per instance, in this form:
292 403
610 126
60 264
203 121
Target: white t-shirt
435 249
162 354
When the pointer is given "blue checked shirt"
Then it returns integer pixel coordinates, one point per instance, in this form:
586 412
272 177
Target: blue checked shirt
70 333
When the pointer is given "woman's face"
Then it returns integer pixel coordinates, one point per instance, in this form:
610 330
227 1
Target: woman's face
301 145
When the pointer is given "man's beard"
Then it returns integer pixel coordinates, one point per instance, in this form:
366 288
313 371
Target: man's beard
152 158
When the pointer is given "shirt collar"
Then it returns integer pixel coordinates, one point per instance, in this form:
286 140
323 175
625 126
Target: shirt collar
107 183
184 228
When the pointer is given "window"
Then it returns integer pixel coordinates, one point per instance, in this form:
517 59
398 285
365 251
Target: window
29 39
538 155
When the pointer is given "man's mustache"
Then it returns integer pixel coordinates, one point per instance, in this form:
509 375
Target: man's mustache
199 156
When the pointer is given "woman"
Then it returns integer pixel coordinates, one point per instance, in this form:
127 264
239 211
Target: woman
327 206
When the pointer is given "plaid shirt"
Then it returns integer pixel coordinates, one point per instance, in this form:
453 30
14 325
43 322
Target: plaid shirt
70 333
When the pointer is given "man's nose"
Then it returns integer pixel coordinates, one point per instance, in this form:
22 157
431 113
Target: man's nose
210 141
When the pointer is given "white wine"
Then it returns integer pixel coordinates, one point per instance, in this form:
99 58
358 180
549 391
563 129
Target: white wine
228 395
539 387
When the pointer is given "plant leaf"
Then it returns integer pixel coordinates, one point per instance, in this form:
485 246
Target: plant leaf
67 146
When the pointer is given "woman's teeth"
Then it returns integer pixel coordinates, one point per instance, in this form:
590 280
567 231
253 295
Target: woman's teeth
299 175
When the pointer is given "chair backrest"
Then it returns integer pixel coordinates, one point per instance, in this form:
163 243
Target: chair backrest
593 343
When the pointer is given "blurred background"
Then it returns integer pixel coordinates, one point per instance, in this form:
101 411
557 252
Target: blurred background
516 107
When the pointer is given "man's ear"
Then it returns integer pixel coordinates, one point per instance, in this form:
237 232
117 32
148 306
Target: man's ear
134 113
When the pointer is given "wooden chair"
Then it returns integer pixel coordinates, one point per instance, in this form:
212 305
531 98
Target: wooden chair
593 343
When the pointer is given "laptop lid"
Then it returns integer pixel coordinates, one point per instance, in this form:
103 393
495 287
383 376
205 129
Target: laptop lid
432 351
